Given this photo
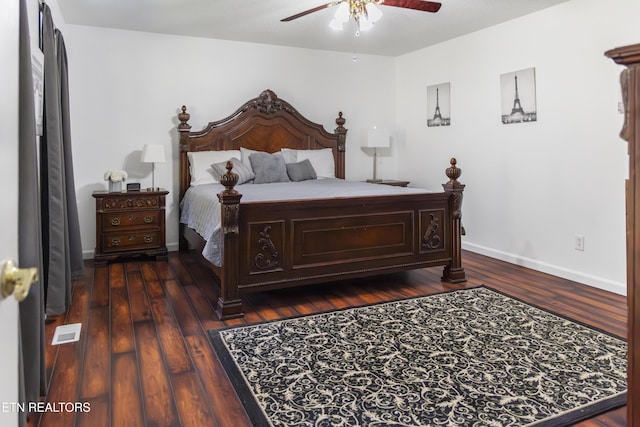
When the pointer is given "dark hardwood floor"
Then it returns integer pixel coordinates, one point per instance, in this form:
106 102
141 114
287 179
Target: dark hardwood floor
144 358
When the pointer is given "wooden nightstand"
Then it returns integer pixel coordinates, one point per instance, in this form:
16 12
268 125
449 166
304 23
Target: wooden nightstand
393 182
130 223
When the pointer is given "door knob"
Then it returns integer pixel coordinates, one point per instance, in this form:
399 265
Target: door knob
16 281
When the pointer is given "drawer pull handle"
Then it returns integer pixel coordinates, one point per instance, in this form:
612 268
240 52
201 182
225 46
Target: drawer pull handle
115 241
115 221
148 219
148 239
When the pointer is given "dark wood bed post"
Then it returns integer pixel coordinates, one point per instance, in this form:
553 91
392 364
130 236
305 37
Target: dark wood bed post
229 303
183 128
341 131
629 56
454 272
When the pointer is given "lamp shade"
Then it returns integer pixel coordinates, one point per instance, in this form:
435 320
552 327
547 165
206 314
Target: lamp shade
378 138
152 153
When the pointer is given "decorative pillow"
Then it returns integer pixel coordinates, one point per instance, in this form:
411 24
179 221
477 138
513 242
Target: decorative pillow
290 156
244 173
301 171
268 168
200 164
322 161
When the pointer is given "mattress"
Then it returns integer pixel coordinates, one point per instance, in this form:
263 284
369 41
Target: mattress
200 208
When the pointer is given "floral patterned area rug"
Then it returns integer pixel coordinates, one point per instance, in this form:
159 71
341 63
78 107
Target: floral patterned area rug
472 357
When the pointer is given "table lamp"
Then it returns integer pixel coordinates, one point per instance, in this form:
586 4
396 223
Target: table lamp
153 153
377 138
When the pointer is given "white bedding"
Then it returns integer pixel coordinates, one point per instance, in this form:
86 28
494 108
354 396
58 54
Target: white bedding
200 208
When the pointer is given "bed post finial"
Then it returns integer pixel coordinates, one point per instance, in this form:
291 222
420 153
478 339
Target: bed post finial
453 172
340 122
454 272
184 118
229 179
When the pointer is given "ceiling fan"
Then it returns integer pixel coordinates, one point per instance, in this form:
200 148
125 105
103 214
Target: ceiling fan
364 12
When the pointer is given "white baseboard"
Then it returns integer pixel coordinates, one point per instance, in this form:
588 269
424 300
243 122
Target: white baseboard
565 273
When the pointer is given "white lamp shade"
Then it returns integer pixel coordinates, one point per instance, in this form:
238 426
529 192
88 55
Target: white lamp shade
342 13
378 138
152 153
374 14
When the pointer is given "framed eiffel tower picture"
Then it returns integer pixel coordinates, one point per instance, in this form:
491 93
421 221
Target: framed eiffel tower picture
439 105
519 96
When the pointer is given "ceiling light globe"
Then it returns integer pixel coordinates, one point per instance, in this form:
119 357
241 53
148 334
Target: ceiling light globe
342 13
373 13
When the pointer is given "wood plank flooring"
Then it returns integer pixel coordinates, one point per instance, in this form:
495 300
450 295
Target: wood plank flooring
144 358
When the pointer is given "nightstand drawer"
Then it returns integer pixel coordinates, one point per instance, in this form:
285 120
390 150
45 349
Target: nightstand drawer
122 202
118 242
138 219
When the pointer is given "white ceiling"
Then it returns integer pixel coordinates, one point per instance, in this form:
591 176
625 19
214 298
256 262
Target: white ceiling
398 32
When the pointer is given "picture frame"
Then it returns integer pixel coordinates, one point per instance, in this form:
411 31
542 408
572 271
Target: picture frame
133 186
439 105
518 96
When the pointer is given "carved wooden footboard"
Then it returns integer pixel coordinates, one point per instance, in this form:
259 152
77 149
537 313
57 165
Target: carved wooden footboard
272 245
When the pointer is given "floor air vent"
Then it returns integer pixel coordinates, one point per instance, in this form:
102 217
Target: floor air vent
66 333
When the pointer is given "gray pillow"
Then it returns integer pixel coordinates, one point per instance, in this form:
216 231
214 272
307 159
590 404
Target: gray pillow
268 168
301 171
244 173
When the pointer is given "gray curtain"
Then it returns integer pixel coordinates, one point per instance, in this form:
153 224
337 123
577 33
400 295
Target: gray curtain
32 363
62 252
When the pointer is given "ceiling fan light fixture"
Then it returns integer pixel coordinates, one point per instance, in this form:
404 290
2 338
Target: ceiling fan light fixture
365 10
341 16
373 13
342 12
364 14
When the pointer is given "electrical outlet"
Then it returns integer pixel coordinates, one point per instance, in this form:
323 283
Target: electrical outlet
579 242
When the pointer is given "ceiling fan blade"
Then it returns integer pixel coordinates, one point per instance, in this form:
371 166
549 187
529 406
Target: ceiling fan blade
425 6
307 12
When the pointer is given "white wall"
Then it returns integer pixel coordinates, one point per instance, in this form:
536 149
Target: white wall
127 88
531 187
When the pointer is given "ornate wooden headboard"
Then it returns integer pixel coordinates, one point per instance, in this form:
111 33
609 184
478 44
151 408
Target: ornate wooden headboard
266 123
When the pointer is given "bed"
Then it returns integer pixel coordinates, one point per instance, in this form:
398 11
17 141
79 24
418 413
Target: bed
267 244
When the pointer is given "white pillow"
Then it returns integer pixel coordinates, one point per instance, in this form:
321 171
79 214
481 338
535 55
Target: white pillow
321 160
200 164
290 156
